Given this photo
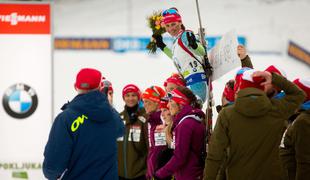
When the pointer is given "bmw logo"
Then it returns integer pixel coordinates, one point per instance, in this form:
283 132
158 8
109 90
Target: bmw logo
20 101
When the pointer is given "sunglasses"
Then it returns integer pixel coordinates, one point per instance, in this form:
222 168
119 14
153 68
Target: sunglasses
170 96
169 11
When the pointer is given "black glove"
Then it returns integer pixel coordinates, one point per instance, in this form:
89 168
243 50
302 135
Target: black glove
159 41
191 40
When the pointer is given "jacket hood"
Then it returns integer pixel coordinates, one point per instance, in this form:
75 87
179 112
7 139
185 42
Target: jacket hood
252 102
186 111
94 105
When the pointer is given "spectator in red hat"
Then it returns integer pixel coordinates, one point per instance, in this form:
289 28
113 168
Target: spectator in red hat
272 90
228 96
84 133
295 150
189 134
171 83
133 146
252 128
157 138
166 116
187 55
107 89
174 81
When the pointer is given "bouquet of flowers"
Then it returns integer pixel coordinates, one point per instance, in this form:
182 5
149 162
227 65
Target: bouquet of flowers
155 23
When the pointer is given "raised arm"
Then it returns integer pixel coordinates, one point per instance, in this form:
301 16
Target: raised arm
161 45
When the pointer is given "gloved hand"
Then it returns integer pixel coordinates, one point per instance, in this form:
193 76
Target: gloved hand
159 41
191 40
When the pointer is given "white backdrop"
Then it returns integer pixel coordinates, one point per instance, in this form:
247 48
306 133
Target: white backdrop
26 58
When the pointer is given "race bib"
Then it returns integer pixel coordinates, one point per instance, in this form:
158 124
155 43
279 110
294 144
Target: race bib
134 133
160 139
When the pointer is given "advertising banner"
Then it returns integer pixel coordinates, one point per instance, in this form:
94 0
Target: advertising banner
298 52
121 44
25 88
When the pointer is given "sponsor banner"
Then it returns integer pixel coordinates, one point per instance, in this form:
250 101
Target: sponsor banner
82 43
121 44
298 52
25 19
223 57
25 89
21 170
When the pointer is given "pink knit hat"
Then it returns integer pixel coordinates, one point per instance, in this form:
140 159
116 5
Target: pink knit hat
171 15
175 79
131 88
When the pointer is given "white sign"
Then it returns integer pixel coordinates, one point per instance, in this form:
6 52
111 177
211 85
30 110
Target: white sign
223 57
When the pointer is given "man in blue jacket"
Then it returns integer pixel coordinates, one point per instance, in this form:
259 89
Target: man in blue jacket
82 141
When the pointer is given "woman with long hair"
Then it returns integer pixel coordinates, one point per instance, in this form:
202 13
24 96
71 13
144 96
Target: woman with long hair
189 134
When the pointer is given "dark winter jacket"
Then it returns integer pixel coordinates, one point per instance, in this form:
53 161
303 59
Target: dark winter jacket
133 146
189 141
295 154
251 130
82 141
246 62
155 147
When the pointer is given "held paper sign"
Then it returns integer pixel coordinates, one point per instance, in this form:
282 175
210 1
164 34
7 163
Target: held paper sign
223 57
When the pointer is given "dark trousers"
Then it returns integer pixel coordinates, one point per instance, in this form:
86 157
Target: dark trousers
138 178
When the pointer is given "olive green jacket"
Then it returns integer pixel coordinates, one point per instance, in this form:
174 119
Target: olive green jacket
133 147
251 130
295 154
246 62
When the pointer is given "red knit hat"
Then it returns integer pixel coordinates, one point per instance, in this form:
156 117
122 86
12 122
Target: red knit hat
229 92
304 84
175 79
274 69
238 77
88 79
171 15
154 93
131 88
247 80
106 84
178 97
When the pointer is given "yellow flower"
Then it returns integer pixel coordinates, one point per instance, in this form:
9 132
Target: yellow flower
153 17
157 27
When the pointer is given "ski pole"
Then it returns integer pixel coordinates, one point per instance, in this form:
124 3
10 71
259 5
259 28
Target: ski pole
208 72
